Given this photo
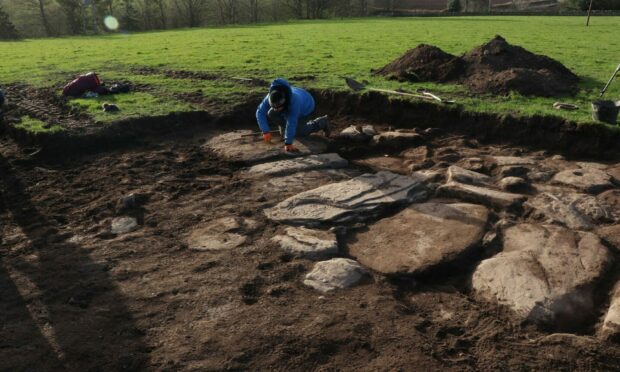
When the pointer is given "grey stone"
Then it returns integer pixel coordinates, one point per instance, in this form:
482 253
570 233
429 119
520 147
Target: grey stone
611 199
610 330
369 130
305 163
458 174
123 225
420 237
481 195
360 197
586 165
354 134
545 274
337 273
385 163
558 157
279 188
397 140
242 146
590 180
576 211
307 243
513 160
512 184
221 234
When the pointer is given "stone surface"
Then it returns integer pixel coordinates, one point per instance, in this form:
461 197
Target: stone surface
369 130
590 180
458 174
299 164
355 134
513 184
610 234
242 146
397 140
221 234
279 188
416 154
610 330
481 195
576 211
386 163
545 274
473 164
420 237
513 171
513 160
337 273
123 225
611 199
585 165
614 172
357 198
307 243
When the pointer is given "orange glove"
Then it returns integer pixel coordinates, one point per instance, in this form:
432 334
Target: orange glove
267 137
290 148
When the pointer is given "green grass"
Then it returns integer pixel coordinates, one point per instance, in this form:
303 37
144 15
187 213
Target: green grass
36 126
325 49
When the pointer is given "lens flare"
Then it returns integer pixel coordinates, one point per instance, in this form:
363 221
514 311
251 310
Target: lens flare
111 23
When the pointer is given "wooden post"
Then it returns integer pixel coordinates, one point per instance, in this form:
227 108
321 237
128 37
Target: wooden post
589 10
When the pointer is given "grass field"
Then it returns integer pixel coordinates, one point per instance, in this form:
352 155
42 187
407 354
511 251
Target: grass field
324 49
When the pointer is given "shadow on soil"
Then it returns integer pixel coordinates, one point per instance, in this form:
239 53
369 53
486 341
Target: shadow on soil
76 301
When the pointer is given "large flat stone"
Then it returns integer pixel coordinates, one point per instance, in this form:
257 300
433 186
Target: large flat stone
354 199
574 210
611 325
590 180
481 195
307 243
337 273
458 174
242 146
282 187
299 164
420 237
546 274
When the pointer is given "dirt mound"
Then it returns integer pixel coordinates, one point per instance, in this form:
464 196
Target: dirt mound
424 63
495 67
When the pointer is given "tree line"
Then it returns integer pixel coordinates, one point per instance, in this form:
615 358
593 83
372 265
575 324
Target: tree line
49 18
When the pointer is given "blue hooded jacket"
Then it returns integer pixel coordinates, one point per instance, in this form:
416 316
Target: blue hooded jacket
300 104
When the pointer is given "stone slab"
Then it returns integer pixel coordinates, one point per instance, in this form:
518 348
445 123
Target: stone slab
574 210
546 274
358 198
481 195
610 234
462 175
503 161
242 146
299 164
221 234
337 273
307 243
590 180
420 237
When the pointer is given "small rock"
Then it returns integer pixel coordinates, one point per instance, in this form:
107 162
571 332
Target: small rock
586 165
513 184
397 140
513 160
123 225
337 273
354 134
307 243
369 130
558 157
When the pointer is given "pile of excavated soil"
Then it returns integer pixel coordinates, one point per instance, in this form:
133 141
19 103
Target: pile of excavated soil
495 67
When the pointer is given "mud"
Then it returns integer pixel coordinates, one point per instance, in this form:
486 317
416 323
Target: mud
496 67
86 299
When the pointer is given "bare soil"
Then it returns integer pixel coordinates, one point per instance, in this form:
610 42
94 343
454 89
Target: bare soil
496 67
76 297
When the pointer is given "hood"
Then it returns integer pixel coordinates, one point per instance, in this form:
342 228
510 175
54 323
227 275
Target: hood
280 82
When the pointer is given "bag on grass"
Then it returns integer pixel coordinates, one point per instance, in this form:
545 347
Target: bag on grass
84 83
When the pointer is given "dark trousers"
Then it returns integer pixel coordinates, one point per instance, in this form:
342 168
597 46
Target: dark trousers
305 126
